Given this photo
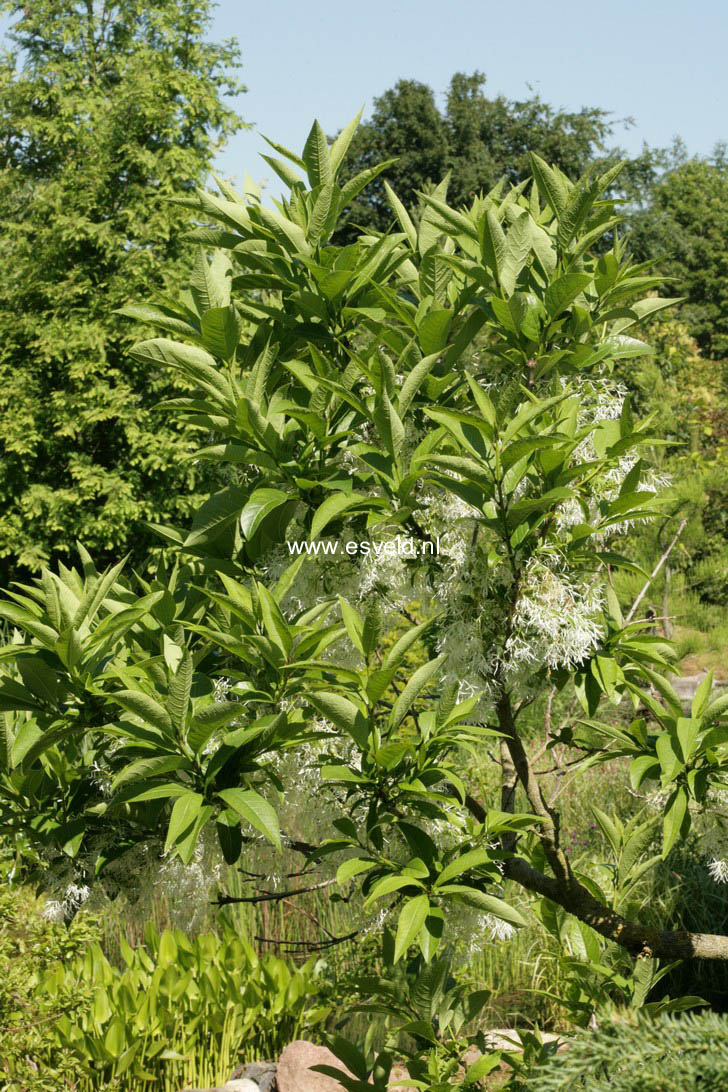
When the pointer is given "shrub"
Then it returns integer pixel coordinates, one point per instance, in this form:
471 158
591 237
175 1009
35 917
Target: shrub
667 1054
179 1011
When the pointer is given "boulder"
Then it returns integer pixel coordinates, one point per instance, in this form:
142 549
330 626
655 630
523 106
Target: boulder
294 1073
263 1074
242 1085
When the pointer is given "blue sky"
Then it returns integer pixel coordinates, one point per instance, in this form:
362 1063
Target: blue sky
663 62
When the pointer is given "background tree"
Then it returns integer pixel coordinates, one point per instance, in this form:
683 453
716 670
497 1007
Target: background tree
105 108
479 139
683 222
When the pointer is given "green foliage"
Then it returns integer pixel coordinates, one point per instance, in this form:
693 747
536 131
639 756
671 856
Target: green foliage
655 1055
108 112
463 364
479 140
183 1010
683 226
30 945
178 1011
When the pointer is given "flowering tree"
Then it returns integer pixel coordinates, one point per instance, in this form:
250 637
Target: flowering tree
420 430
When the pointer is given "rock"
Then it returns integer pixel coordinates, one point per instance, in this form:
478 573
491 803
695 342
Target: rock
294 1072
263 1074
510 1039
242 1085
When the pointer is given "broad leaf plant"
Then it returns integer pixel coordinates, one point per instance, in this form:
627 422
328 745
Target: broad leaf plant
448 383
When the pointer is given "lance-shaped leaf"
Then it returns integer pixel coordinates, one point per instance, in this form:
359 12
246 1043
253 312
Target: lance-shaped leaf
256 810
317 158
179 691
479 900
146 708
411 919
185 812
551 185
332 507
221 329
412 690
194 363
343 713
402 215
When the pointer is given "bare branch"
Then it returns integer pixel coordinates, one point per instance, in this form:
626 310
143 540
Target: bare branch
655 571
270 896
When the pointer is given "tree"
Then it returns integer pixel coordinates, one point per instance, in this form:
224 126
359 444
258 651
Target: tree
105 107
479 139
683 223
142 713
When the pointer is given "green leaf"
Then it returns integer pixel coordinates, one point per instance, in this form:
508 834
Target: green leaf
516 251
290 235
564 290
275 624
343 713
433 330
320 213
702 696
260 505
670 759
221 329
341 144
550 185
608 827
494 243
144 707
372 628
195 364
356 184
179 691
483 402
317 158
414 381
353 622
687 731
6 743
411 919
416 684
676 814
185 812
484 1065
402 215
284 172
145 769
332 507
489 904
282 150
216 514
464 863
13 696
353 867
641 768
254 809
389 425
229 836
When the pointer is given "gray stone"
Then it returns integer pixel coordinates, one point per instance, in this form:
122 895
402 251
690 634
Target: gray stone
242 1085
263 1074
294 1073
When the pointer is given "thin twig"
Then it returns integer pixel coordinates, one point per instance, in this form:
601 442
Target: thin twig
655 571
310 945
270 896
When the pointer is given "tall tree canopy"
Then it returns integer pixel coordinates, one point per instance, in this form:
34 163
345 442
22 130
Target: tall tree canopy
683 222
479 139
105 107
